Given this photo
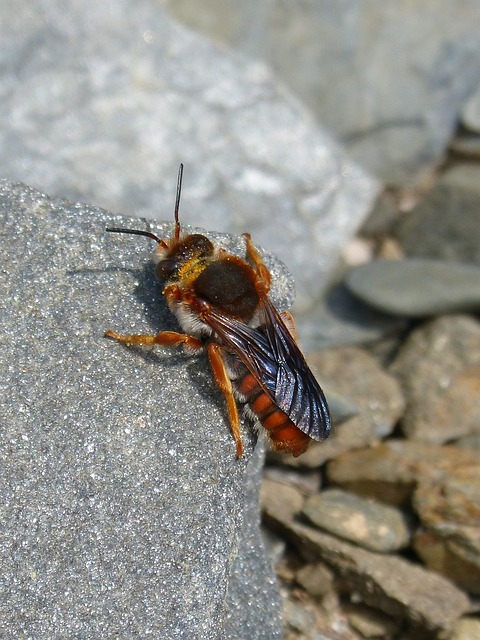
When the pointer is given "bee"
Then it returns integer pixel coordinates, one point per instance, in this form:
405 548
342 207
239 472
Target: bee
222 305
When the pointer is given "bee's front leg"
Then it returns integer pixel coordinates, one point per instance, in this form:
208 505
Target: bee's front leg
165 338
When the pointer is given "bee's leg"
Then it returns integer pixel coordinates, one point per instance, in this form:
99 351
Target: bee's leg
172 293
290 324
165 338
225 385
257 262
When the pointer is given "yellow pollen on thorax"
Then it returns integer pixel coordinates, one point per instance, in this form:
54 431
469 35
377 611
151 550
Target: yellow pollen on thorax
191 270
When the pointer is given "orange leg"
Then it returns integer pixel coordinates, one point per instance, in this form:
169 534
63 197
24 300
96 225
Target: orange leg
225 385
172 293
256 260
165 338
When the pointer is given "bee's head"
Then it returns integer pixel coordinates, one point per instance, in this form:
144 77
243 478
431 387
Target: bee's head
173 257
173 254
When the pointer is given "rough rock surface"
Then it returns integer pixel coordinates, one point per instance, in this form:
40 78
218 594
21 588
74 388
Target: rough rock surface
124 511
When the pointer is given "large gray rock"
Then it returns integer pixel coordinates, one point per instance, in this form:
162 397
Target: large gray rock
389 78
101 101
124 511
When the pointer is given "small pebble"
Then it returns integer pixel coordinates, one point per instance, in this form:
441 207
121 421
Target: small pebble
279 502
368 523
316 578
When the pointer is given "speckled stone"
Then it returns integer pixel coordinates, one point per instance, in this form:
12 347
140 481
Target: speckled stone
439 369
368 523
124 511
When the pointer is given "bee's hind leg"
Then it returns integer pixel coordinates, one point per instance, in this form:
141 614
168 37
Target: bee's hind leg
220 374
290 324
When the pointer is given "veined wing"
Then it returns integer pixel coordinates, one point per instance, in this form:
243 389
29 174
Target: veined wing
271 354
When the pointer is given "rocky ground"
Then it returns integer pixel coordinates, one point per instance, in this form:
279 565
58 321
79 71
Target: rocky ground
375 533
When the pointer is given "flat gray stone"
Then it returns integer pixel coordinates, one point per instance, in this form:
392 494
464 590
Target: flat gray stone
416 287
124 511
340 318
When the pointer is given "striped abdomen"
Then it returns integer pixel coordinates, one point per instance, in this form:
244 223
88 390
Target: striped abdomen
282 432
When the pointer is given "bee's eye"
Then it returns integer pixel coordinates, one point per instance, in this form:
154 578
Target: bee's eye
165 269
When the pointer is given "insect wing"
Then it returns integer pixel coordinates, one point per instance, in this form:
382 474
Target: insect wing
273 357
297 392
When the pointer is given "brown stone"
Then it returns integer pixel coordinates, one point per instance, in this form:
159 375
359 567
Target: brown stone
453 552
390 471
365 522
279 502
439 368
396 586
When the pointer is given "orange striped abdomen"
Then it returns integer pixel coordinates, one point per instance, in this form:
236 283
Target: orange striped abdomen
283 434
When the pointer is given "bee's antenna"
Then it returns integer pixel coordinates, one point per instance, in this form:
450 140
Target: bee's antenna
136 232
177 201
149 234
